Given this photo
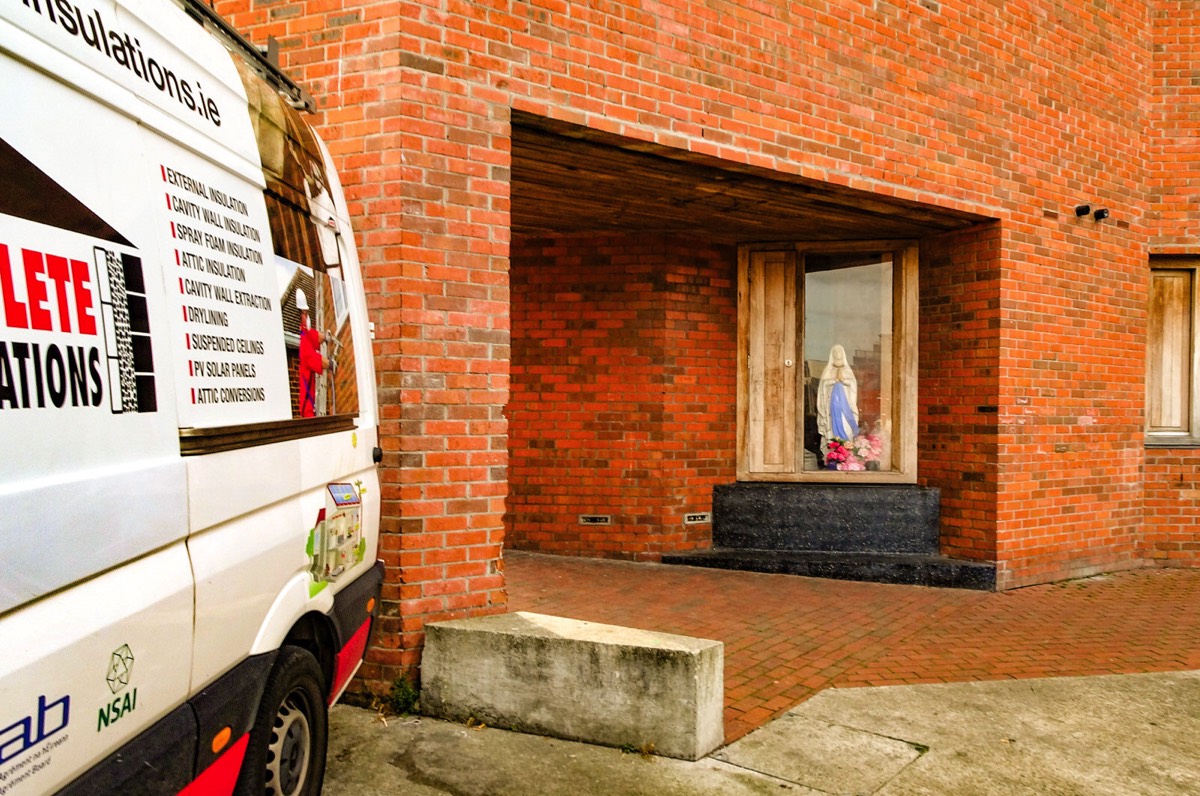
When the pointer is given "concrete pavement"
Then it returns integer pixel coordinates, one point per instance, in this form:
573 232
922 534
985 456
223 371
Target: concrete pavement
1102 736
1082 687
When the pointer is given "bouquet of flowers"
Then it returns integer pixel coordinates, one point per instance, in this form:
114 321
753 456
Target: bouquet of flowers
854 455
838 455
868 447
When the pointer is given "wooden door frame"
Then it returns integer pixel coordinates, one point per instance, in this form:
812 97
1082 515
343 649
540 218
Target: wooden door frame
1188 431
904 356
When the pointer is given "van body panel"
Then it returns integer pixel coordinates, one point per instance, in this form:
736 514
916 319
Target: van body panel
246 480
203 65
67 227
145 507
280 471
149 764
86 669
292 603
176 261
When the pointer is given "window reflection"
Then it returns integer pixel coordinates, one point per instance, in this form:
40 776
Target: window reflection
848 323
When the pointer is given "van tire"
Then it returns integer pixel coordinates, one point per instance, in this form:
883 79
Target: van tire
286 752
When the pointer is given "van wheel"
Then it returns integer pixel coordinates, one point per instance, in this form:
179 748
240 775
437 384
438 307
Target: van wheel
286 752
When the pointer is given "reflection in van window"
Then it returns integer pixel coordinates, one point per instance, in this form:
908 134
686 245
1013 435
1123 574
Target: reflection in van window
321 368
320 355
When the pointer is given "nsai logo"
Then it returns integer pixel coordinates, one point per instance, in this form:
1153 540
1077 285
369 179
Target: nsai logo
120 670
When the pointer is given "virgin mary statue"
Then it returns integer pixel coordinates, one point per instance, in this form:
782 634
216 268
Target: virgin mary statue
837 400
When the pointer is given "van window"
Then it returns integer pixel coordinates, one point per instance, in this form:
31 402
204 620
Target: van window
308 258
308 286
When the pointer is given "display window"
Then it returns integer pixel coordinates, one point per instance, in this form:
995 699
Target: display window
827 362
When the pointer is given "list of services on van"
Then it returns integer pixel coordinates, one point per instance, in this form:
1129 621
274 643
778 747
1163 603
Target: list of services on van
221 268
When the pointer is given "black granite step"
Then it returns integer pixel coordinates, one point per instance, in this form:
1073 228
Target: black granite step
842 518
874 567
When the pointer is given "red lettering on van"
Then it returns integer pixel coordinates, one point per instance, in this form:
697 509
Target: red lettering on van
60 274
35 288
83 297
71 296
15 314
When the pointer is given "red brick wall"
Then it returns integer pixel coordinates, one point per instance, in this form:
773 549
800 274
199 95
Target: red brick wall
1172 507
1016 111
1072 329
699 387
958 432
1172 477
1172 161
623 392
1071 404
424 164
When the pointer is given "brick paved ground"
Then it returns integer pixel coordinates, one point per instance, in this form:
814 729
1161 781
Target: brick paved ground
788 637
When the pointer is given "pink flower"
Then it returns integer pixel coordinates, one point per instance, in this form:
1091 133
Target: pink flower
837 452
868 447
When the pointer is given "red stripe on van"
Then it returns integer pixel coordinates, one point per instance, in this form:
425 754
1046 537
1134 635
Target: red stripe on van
219 778
348 657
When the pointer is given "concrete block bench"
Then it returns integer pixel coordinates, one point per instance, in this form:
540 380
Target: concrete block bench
581 681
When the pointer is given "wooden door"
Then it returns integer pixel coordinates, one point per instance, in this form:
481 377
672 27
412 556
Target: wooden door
1169 352
770 360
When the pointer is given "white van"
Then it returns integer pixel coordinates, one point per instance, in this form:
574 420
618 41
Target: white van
189 506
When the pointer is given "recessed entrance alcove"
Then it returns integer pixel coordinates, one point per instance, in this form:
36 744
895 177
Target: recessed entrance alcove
688 329
886 533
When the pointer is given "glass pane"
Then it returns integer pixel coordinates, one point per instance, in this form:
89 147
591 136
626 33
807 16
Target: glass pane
320 351
848 368
308 259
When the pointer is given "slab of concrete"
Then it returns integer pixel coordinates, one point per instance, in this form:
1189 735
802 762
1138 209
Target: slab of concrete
430 757
814 752
1100 736
577 680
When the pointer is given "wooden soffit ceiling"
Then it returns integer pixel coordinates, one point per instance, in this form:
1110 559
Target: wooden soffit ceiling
569 179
